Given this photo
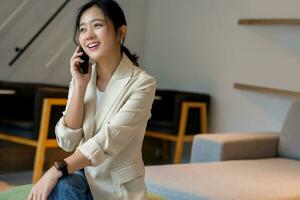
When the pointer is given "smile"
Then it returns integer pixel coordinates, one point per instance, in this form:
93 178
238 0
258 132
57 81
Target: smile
93 45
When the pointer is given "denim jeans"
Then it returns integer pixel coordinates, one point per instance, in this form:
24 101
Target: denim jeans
72 187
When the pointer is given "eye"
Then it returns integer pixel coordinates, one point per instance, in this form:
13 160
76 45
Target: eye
81 29
97 25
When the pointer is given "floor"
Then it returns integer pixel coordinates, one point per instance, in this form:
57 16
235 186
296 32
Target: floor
10 180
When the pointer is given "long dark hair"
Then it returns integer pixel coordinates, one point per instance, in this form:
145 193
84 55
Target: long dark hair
112 11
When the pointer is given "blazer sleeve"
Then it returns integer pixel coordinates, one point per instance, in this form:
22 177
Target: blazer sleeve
68 139
129 121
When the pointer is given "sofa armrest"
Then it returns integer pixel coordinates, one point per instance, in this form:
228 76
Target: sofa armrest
234 146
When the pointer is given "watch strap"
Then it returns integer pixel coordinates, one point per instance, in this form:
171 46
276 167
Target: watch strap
61 165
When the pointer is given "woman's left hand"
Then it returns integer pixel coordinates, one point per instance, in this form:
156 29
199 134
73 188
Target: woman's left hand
45 185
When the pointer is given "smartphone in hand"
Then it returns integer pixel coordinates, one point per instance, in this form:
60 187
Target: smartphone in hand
84 67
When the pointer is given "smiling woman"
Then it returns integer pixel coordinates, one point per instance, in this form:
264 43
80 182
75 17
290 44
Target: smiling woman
113 23
97 36
106 115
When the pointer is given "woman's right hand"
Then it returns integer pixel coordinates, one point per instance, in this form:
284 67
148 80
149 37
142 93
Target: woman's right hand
79 78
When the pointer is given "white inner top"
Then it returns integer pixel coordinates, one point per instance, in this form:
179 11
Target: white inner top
99 95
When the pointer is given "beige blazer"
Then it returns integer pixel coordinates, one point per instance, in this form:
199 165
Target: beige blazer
112 135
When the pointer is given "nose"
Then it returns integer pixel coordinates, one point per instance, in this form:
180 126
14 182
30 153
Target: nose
90 34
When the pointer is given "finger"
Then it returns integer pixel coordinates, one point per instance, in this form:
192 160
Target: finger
74 58
44 197
76 52
35 196
76 55
78 60
30 196
39 197
76 63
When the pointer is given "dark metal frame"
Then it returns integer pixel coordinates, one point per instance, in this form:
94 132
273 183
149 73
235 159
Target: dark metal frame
22 50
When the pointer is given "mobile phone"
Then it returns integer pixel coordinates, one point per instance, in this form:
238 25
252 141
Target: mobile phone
84 67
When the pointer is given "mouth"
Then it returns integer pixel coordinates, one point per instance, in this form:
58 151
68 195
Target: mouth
94 45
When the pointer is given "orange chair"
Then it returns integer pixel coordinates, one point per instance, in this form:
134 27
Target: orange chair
176 117
34 128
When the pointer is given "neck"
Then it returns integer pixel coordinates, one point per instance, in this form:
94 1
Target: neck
106 68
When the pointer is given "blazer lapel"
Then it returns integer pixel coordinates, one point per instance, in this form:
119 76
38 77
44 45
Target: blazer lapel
113 90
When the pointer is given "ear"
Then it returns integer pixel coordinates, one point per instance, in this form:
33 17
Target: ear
122 32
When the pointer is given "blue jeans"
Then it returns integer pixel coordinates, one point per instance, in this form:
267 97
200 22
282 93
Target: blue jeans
72 187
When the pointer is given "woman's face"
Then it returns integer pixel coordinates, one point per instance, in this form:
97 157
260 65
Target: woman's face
97 36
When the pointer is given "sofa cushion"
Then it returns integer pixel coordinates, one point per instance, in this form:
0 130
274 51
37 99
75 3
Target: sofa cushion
289 142
234 146
21 124
22 128
261 179
9 130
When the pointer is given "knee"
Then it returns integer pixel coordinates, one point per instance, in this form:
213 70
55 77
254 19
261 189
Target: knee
71 182
70 187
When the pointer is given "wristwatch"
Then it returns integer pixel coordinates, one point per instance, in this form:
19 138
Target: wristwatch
61 165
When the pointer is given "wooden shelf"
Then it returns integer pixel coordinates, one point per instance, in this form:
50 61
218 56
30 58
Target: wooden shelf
256 88
269 21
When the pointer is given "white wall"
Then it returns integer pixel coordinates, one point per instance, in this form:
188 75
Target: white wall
193 45
135 15
197 45
47 59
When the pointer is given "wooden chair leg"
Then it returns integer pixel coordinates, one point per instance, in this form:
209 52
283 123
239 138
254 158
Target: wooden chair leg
183 122
178 151
181 132
41 146
39 161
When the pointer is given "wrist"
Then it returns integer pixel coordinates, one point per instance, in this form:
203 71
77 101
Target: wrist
57 174
80 86
62 167
79 90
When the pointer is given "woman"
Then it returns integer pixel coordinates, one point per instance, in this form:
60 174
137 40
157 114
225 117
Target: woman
105 117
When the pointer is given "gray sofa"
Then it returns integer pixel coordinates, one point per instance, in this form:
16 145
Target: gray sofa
254 166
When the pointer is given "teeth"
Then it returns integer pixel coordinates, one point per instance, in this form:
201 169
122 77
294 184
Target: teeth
92 45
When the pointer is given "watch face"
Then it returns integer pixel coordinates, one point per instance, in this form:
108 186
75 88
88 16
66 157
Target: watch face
60 164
